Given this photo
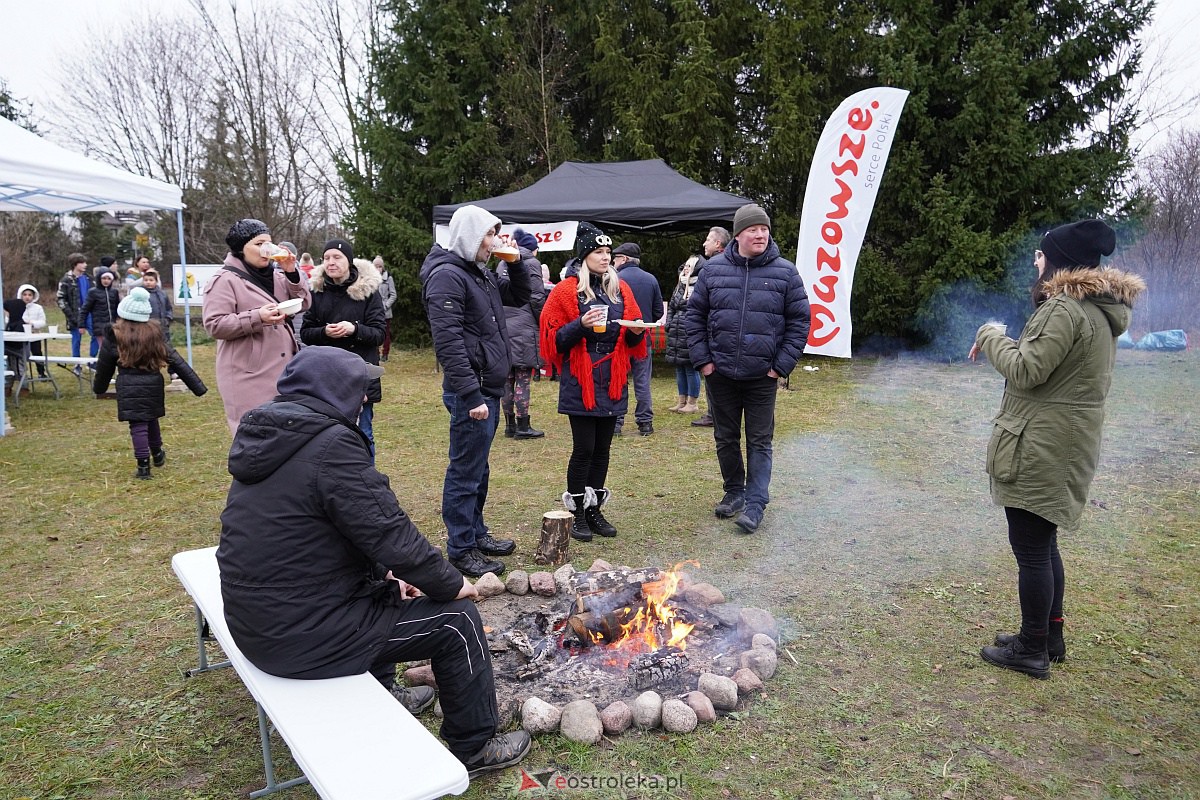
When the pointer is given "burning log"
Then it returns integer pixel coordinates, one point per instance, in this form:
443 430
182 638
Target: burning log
653 669
611 580
556 535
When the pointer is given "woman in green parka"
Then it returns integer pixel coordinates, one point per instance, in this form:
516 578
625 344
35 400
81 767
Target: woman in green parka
1046 439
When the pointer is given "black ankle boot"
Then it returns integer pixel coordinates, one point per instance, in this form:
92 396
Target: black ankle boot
1020 655
595 519
510 425
143 471
1056 646
159 456
579 528
524 431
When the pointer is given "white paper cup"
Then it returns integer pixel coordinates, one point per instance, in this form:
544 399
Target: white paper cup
28 328
53 330
602 325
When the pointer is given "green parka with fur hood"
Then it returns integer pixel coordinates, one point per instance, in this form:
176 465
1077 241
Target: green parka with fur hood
1046 439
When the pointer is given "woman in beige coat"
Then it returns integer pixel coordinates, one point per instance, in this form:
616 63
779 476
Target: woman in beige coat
1046 439
241 311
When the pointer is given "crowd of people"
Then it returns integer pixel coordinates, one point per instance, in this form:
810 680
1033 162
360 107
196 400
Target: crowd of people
324 574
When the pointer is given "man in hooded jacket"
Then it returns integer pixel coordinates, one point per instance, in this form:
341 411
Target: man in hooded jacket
324 575
465 301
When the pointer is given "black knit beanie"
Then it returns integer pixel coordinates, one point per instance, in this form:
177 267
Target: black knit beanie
588 238
341 245
243 231
1079 244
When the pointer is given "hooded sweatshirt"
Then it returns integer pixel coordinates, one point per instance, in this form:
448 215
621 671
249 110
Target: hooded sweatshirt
1045 441
310 528
465 304
33 314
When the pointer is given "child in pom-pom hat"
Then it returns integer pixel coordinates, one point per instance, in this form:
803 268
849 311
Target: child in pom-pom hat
134 348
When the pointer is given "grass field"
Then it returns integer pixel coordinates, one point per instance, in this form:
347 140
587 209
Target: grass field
881 554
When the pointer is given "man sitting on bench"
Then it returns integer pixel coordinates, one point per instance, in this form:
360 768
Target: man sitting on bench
324 575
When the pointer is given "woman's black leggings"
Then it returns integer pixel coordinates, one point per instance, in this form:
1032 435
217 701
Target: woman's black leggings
1040 577
591 443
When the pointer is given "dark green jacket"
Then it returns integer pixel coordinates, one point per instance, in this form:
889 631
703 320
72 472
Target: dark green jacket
1046 439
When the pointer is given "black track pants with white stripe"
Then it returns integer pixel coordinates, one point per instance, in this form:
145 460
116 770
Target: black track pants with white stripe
451 635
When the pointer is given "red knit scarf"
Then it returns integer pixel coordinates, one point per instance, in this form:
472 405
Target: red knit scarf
562 307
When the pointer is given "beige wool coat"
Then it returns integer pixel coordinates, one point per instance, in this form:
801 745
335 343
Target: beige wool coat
1046 439
250 353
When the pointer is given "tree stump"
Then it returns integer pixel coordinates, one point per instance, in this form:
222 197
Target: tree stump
556 535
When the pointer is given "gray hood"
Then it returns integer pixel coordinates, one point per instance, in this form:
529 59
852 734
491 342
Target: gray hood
468 226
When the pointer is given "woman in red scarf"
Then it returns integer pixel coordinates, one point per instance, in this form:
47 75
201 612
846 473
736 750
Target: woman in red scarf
581 337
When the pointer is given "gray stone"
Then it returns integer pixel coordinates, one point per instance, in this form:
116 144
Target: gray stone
762 640
747 681
616 718
517 582
703 595
721 690
764 662
726 614
538 716
489 585
437 709
699 702
581 722
678 717
756 620
542 583
562 578
647 710
420 676
600 565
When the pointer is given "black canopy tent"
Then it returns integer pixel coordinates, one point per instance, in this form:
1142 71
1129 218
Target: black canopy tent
634 195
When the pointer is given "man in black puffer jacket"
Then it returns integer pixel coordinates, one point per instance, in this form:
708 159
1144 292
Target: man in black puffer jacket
747 324
465 303
320 565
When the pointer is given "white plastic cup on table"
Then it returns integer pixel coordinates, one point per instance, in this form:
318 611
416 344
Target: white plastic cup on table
53 330
28 328
602 325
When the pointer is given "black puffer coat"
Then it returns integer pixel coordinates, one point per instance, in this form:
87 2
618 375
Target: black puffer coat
356 300
101 303
677 346
748 315
140 393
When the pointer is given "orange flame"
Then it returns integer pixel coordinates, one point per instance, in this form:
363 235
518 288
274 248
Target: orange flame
651 626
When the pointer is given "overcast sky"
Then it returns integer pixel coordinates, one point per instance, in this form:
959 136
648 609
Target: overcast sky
39 34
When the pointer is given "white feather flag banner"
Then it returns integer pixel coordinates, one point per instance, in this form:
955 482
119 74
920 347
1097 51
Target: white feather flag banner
842 184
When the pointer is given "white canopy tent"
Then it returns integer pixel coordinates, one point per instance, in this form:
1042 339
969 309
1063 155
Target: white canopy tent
38 175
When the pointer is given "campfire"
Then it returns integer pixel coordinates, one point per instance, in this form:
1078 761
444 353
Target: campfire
631 618
572 641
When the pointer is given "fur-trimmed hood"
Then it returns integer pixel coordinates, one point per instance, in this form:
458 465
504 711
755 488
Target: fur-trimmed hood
1094 283
363 282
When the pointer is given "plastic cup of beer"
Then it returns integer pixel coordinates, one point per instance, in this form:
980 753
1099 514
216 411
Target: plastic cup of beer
53 330
274 251
602 325
506 252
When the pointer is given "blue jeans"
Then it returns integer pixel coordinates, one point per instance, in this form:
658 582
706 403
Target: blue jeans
365 418
643 412
687 381
730 401
465 490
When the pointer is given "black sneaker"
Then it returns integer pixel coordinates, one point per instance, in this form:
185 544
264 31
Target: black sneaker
474 564
749 519
502 750
1056 648
415 699
730 505
645 428
491 546
1016 656
704 421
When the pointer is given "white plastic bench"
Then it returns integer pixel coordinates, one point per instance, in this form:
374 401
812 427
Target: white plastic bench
349 736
